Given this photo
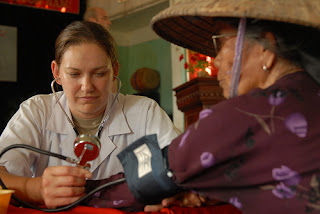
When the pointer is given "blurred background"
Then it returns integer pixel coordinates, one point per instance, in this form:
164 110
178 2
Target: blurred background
28 29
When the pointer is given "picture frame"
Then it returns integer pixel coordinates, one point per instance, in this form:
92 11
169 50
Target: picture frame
8 53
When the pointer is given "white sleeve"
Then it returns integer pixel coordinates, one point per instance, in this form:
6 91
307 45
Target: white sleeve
23 128
159 122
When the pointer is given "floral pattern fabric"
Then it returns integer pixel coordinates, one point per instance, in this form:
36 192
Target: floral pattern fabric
259 151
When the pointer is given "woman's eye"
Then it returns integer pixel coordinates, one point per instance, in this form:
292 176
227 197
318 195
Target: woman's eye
100 74
74 74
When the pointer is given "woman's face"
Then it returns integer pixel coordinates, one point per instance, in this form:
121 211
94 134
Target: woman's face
86 76
251 73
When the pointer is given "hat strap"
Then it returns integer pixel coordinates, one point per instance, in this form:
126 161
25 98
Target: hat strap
233 90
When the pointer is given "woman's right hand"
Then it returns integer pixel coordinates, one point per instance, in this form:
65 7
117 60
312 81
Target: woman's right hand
63 185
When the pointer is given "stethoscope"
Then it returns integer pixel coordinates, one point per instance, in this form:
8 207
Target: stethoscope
86 148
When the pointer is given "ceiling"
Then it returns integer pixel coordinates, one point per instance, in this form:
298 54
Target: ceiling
137 19
128 15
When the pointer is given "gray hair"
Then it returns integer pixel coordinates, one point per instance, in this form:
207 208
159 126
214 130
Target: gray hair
295 43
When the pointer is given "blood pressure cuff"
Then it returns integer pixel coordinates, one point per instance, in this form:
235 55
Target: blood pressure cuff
146 171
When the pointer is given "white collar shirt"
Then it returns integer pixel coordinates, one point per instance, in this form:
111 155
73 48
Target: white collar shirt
40 122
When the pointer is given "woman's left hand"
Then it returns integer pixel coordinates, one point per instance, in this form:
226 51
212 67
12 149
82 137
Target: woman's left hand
184 199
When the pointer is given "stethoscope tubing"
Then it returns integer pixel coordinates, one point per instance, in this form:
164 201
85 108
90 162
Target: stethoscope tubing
26 204
63 208
105 118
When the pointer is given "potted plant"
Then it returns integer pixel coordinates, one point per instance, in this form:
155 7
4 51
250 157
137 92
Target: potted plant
199 65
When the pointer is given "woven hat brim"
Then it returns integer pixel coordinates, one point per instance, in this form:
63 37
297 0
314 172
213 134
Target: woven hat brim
191 23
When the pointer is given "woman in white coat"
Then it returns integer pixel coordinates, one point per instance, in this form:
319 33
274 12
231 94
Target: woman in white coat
85 65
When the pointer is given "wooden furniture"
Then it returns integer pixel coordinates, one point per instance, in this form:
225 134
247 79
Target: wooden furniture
196 95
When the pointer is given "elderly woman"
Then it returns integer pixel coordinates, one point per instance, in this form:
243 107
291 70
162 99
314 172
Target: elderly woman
259 149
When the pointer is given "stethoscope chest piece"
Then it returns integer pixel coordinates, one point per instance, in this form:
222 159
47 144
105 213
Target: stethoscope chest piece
86 148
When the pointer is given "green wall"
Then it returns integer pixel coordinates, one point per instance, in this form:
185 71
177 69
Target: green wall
154 54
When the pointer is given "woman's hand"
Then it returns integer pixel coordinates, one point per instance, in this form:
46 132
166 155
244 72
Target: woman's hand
63 185
184 199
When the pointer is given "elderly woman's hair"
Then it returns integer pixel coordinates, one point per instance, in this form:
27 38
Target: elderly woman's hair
295 43
79 32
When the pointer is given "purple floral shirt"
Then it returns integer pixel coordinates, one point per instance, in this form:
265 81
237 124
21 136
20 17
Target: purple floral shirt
259 152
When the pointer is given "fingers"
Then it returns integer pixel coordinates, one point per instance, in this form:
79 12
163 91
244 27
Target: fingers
60 181
62 185
184 199
202 199
54 191
171 201
53 201
153 208
68 171
164 203
191 199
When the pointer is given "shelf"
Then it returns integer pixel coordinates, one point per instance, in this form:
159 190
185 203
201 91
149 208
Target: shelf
196 95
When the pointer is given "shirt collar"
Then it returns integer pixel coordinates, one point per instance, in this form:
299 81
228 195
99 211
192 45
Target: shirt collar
115 125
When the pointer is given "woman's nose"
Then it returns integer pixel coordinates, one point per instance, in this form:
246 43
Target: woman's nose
87 84
216 61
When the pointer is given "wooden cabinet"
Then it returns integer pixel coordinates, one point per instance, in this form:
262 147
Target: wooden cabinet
196 95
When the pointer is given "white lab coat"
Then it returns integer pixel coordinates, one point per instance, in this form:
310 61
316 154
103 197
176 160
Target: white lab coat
40 122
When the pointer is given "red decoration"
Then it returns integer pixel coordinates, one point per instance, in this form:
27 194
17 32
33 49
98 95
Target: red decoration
181 57
199 64
63 6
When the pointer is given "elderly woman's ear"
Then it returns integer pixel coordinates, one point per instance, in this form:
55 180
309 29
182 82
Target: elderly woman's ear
268 55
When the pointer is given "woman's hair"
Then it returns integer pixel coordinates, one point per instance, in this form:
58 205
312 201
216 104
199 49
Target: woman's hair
295 43
79 32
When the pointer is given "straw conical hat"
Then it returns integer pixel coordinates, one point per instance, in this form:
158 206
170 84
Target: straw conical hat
190 23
